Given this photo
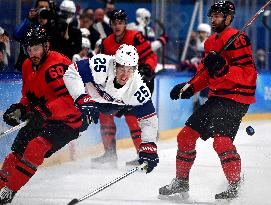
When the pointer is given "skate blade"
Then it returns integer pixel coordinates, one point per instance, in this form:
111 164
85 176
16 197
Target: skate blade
178 197
105 165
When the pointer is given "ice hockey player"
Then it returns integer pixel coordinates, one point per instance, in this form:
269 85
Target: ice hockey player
231 78
146 66
53 119
112 83
143 19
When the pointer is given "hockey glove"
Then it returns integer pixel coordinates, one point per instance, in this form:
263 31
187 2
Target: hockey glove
163 39
175 92
14 114
146 72
215 64
90 112
148 153
38 116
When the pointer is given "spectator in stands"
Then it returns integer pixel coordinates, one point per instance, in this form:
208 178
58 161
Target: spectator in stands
3 66
4 39
103 28
30 21
84 53
94 34
109 6
261 60
67 36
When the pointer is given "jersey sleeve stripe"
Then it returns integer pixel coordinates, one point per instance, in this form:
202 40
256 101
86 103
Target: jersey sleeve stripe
63 94
85 71
146 117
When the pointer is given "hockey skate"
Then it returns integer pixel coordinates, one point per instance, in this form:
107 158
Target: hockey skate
177 190
133 162
6 195
107 160
231 192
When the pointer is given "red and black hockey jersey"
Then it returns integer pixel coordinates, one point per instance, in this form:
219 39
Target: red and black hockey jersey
135 38
239 84
46 87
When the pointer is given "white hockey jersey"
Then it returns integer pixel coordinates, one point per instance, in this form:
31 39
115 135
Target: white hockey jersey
148 33
96 76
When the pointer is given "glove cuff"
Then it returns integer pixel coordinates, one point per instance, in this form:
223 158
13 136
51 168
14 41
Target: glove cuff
149 147
163 40
84 99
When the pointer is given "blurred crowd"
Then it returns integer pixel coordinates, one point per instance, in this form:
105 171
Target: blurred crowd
78 32
74 31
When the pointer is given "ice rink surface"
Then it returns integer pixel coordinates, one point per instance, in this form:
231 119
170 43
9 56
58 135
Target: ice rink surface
59 184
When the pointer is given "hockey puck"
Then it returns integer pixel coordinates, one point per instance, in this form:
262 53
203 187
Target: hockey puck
250 131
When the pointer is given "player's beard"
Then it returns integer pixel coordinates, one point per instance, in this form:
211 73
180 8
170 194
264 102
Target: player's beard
35 60
219 28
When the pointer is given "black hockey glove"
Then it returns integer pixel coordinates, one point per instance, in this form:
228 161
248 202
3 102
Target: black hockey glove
90 112
215 64
14 114
175 92
148 153
38 116
146 72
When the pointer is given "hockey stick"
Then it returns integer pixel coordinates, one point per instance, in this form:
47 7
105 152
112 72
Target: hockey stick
162 27
187 85
141 167
2 134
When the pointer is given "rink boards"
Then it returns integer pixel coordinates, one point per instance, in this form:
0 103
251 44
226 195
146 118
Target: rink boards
172 115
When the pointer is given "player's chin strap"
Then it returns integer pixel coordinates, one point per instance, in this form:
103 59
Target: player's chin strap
142 167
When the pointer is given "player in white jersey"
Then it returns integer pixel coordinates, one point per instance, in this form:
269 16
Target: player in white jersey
143 17
112 84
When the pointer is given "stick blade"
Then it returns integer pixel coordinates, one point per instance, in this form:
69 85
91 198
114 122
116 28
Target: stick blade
74 201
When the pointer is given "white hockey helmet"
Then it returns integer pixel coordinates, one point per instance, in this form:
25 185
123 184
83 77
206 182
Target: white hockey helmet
127 55
143 16
85 43
85 32
67 6
204 27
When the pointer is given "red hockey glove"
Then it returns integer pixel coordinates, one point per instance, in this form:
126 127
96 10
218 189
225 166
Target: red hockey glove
148 153
90 112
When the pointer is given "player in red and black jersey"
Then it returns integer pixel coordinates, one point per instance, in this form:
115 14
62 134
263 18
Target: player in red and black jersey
147 63
53 119
231 77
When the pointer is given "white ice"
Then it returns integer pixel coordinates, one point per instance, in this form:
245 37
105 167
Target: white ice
59 184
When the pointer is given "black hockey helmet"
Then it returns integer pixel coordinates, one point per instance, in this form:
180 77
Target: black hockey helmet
118 15
34 36
224 7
